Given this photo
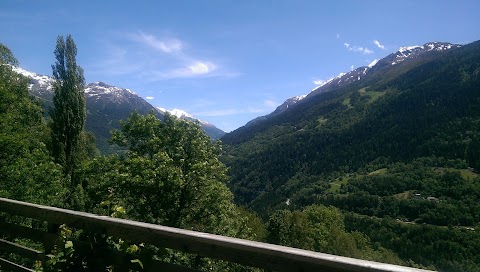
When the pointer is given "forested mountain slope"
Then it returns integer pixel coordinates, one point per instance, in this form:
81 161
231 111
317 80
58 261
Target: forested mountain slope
396 148
428 105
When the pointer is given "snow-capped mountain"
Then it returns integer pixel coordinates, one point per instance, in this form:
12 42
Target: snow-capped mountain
410 53
39 83
415 52
209 129
283 107
106 105
99 89
182 115
288 103
403 53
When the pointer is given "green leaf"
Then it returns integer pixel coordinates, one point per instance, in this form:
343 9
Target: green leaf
68 244
132 249
137 261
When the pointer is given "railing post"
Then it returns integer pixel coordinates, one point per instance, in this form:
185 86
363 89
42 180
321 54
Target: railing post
49 244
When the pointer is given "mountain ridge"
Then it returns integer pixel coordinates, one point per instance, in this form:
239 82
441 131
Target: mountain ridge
414 55
419 107
106 105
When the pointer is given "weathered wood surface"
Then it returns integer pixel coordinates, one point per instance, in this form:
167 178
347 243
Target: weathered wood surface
245 252
25 232
10 266
32 254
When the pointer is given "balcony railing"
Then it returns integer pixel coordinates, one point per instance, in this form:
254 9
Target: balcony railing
244 252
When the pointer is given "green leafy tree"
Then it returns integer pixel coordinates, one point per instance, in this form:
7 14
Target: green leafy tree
171 175
27 172
69 112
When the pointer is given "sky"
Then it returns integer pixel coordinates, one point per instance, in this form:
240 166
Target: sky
224 61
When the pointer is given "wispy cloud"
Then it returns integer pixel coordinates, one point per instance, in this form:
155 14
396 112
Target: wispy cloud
201 68
152 58
169 45
149 97
359 49
338 36
195 69
378 44
351 67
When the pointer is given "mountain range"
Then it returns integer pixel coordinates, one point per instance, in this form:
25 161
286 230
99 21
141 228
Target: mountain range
420 101
106 106
411 53
394 145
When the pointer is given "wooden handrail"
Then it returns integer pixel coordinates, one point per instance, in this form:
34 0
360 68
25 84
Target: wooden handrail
250 253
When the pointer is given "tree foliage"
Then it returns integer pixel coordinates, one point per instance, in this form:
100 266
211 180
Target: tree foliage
320 228
171 175
69 113
26 170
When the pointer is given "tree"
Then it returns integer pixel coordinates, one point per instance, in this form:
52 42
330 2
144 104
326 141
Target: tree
69 112
171 175
27 172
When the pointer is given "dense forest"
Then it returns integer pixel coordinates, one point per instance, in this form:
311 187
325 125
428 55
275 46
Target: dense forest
383 169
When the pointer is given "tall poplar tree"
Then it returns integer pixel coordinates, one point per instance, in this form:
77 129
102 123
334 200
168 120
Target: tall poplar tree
69 112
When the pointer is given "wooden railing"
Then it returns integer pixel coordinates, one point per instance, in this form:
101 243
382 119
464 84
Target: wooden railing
249 253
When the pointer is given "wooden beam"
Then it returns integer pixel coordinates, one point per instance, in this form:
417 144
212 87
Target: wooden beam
245 252
27 252
25 232
6 265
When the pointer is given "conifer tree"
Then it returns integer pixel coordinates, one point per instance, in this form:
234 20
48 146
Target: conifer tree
69 112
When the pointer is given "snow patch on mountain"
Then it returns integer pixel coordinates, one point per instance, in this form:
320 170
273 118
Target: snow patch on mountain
403 53
411 51
40 82
96 88
321 83
408 48
373 63
181 114
298 98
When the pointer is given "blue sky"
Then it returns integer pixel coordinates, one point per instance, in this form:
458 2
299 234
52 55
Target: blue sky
225 61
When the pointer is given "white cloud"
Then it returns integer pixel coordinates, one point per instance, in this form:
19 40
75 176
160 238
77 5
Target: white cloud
149 97
195 69
378 44
166 46
135 54
367 51
201 68
356 48
351 67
